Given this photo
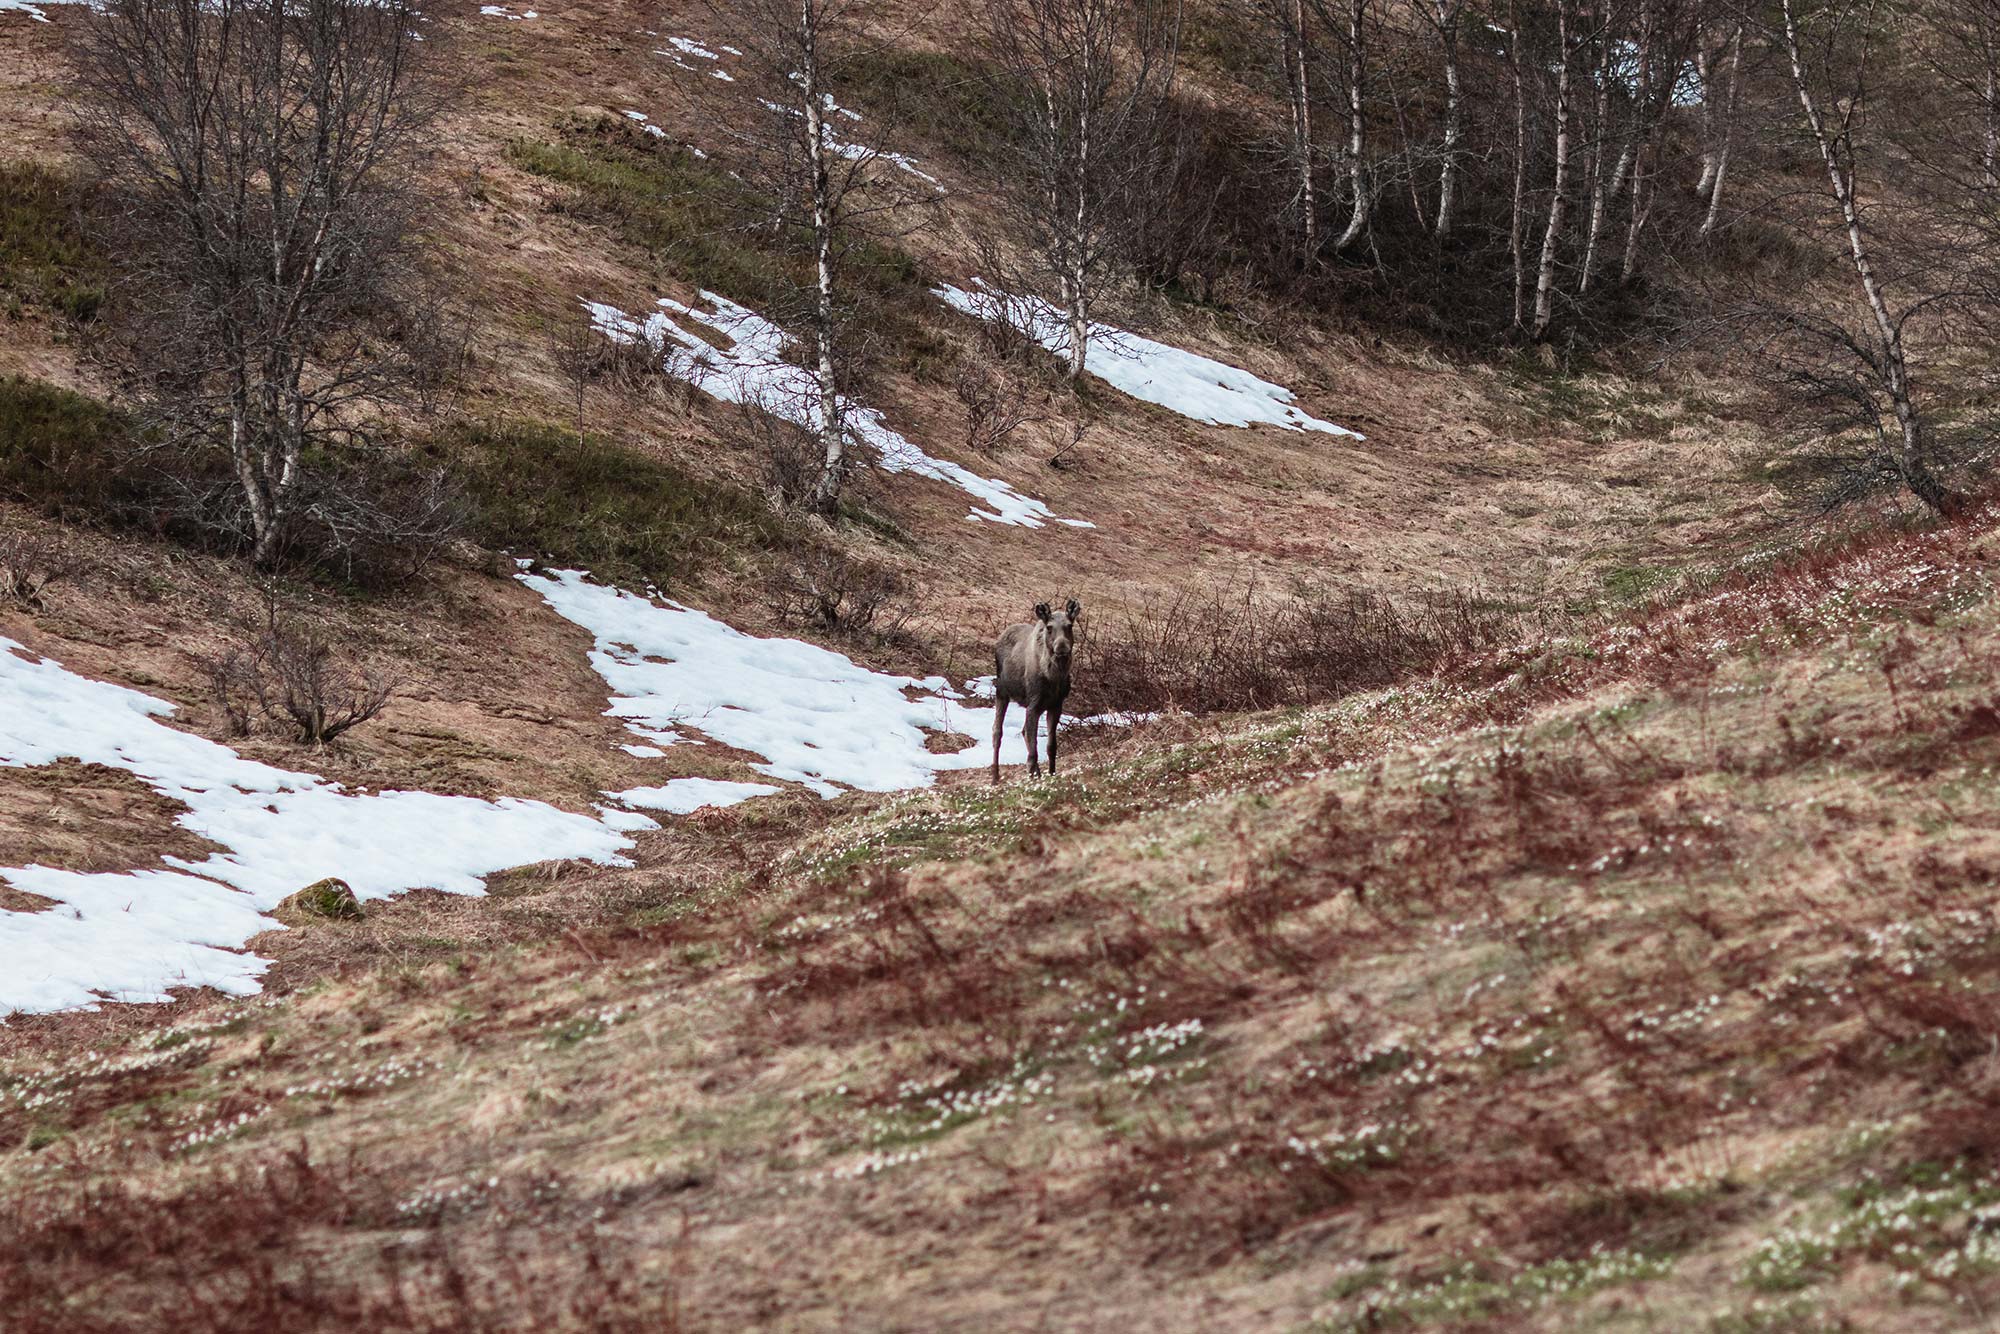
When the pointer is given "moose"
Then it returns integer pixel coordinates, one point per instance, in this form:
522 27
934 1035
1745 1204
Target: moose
1031 668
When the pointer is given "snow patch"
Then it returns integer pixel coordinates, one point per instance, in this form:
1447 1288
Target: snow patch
814 716
1197 387
684 796
507 12
134 935
752 370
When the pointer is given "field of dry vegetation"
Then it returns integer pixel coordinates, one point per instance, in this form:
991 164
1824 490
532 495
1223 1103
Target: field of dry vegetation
1636 977
1550 884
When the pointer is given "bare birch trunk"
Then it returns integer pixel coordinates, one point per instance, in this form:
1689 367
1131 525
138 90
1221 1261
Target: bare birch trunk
827 412
1642 206
1704 71
1296 75
1720 163
1357 167
1453 116
1545 278
1893 367
1517 227
1076 282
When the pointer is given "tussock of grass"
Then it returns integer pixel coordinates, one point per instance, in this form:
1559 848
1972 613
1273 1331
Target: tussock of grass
584 501
45 259
59 451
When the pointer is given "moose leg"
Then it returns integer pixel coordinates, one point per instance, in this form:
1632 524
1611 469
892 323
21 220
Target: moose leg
999 726
1030 734
1055 721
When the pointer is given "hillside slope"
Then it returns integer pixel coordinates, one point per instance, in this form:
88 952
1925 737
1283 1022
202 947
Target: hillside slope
1637 974
1641 979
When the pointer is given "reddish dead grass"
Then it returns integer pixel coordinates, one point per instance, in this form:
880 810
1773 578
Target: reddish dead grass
1280 1018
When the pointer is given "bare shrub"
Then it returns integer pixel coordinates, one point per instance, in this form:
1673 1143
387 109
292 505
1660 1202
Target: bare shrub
1209 647
29 566
1064 437
295 682
792 459
996 405
843 594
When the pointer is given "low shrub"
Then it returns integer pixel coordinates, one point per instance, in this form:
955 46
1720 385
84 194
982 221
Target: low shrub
294 682
46 259
29 566
63 453
842 594
1212 647
373 518
582 500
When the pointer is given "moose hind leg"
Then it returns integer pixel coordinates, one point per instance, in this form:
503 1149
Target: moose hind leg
999 729
1030 733
1055 722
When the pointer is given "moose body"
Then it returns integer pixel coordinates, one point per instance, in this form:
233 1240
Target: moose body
1031 668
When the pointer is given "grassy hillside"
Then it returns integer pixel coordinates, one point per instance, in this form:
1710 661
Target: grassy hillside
1629 962
1638 978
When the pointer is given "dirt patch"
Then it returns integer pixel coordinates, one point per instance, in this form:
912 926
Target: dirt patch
89 817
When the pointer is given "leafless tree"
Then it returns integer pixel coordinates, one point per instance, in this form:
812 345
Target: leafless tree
574 347
1286 20
1852 364
1720 90
1570 42
1349 20
996 405
1091 78
260 160
1443 18
826 183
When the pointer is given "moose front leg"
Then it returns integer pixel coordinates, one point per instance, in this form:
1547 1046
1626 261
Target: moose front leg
1055 723
1030 734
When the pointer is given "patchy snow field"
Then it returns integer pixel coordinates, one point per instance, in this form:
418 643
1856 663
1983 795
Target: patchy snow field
130 936
815 716
752 370
1195 386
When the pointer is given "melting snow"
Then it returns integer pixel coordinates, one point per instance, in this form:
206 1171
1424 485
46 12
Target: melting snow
815 716
131 936
1195 386
683 46
683 796
506 12
645 123
852 151
686 47
752 370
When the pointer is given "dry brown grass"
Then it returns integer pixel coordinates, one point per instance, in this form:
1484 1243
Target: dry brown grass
1586 979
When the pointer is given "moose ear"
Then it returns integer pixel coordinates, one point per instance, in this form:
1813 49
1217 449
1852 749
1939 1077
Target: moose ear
1075 609
1041 611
